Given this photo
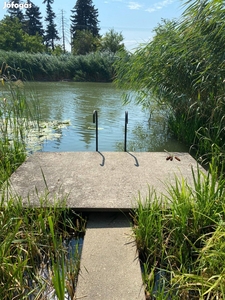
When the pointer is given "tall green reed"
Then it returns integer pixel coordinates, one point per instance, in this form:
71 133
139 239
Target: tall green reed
209 277
33 256
58 264
174 231
96 66
183 66
18 114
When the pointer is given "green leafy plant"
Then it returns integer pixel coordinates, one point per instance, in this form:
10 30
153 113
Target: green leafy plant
180 238
33 254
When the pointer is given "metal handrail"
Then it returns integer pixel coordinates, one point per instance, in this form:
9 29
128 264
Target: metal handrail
125 136
95 120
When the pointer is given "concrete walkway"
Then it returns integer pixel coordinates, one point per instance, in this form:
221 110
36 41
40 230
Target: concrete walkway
97 181
110 267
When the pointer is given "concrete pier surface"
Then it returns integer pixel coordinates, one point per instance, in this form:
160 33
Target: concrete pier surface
95 180
109 267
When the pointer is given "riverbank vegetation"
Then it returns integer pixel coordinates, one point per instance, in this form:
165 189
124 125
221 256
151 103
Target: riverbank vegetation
22 130
15 115
183 69
180 237
93 67
36 53
39 250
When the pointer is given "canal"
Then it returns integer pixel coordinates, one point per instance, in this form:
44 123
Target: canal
76 101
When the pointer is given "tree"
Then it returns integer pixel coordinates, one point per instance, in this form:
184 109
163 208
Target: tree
32 43
51 32
85 17
15 10
11 34
84 43
33 20
111 41
14 38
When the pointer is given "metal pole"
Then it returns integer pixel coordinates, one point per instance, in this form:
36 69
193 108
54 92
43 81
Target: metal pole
125 137
95 120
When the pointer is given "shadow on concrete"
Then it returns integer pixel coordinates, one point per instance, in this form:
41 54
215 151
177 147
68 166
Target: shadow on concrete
103 159
135 158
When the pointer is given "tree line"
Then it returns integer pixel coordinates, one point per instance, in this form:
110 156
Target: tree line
23 30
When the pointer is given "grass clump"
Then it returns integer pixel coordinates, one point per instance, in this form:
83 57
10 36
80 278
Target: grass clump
181 239
35 257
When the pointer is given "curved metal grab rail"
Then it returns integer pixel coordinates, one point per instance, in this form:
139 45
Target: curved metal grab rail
95 120
125 136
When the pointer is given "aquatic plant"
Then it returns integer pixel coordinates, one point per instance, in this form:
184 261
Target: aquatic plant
15 114
34 255
180 237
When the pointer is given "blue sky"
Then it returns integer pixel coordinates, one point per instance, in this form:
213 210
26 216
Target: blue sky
134 19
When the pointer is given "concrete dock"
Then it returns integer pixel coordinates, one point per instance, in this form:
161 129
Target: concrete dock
95 180
107 184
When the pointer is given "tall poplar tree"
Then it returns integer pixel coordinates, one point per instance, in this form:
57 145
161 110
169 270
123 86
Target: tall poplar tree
84 18
51 33
33 20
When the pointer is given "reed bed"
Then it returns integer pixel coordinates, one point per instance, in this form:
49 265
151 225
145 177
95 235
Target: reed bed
180 238
96 66
35 258
15 115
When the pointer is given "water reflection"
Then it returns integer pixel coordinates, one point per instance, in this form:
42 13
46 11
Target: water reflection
77 101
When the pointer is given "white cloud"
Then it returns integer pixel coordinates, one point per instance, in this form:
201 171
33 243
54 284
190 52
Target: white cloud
159 5
134 5
150 9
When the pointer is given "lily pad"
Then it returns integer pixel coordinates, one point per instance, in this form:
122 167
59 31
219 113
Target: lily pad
34 134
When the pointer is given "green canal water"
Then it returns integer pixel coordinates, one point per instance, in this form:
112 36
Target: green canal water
76 101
